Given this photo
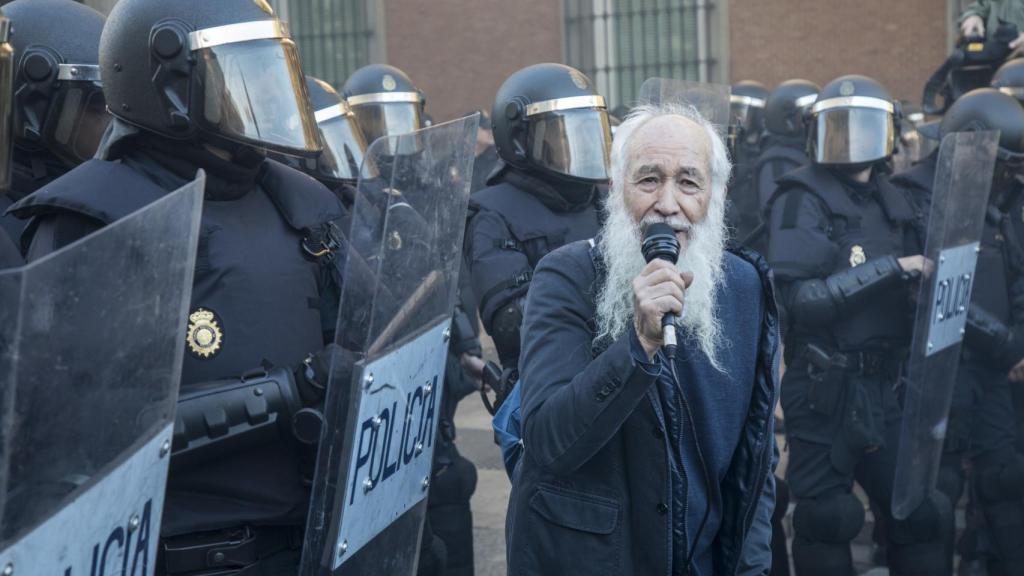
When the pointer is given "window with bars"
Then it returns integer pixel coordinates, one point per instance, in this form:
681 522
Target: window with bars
621 43
335 37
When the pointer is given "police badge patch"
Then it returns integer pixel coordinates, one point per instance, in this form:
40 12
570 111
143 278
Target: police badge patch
857 256
204 334
388 82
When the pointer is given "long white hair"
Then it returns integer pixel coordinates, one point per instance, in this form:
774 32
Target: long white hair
620 241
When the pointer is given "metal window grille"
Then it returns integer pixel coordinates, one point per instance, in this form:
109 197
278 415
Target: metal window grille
335 37
621 43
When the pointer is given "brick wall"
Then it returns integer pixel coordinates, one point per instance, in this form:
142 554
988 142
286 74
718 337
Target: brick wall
460 51
898 43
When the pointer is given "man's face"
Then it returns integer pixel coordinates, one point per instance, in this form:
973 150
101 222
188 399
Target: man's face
668 175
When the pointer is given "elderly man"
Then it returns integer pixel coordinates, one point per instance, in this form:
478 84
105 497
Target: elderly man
631 466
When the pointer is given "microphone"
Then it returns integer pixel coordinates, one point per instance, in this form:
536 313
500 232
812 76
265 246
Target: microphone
660 242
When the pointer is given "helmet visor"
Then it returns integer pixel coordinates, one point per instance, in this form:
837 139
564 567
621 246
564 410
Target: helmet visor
853 135
344 145
380 119
746 112
81 118
254 92
575 143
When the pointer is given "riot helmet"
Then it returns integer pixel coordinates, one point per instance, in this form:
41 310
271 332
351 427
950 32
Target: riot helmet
549 118
853 123
384 101
58 96
344 146
787 108
6 109
746 108
223 72
990 109
1009 79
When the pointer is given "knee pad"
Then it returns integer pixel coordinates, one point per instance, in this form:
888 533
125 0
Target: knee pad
834 519
998 483
922 543
455 485
927 523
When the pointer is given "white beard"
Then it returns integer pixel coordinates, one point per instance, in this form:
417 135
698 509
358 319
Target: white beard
620 244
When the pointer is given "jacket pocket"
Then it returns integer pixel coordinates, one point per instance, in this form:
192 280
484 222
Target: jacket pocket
825 390
573 533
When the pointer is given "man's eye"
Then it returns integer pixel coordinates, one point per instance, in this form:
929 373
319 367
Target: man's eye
649 180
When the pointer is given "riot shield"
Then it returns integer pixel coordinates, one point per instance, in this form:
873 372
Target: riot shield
963 176
91 345
384 394
6 104
711 100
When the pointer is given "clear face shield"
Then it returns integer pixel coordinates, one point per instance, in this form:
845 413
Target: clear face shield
79 114
387 113
853 130
251 87
344 147
746 115
570 137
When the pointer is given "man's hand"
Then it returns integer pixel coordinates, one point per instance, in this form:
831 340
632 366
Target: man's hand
1017 372
657 291
917 265
973 26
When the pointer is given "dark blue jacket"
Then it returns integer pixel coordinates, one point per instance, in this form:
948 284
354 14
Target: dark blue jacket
590 494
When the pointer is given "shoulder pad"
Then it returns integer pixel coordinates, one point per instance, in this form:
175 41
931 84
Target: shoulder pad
895 201
783 153
301 199
498 198
819 182
921 177
105 191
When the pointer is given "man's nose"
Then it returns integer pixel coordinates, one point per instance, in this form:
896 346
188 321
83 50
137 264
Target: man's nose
667 204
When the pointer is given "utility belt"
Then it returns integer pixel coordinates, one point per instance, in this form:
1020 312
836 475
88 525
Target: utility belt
870 363
230 552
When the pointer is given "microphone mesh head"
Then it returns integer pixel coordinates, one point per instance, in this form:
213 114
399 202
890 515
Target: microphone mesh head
660 242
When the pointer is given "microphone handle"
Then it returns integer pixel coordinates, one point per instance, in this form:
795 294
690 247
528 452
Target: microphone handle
668 334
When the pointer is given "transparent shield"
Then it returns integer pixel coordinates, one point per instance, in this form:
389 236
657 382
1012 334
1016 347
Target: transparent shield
398 291
6 113
963 177
711 100
91 345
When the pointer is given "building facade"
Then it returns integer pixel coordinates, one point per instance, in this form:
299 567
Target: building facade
459 51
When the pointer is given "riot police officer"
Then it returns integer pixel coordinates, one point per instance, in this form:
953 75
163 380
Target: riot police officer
1009 78
746 128
209 85
551 132
982 422
784 145
844 244
386 103
59 111
384 100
